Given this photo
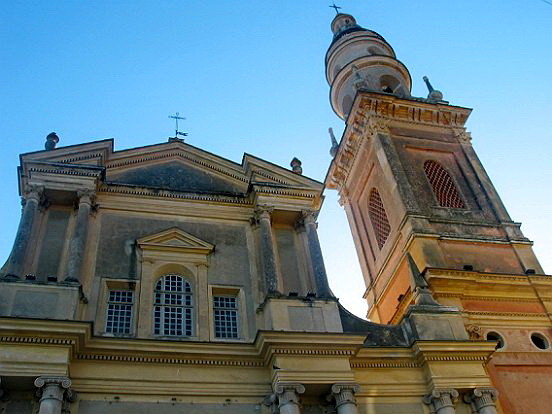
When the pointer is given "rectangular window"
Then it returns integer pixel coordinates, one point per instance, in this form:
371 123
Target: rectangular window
226 316
119 312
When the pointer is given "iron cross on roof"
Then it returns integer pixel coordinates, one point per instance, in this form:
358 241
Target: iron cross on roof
176 117
333 6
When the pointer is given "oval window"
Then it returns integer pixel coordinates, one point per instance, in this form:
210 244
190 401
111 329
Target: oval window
493 336
540 341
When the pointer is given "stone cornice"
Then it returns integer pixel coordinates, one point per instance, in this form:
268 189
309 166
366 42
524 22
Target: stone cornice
374 112
481 286
437 351
150 192
63 168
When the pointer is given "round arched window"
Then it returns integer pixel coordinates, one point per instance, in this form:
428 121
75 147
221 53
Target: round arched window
173 306
494 336
540 341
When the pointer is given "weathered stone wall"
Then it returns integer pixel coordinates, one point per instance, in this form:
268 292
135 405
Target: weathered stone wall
175 176
289 265
52 243
116 251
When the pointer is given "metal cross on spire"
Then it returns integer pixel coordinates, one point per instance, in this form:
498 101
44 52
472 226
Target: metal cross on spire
176 117
333 6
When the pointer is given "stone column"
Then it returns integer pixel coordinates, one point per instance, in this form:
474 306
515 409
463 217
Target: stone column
52 391
441 401
344 396
78 242
268 256
288 397
317 261
13 268
482 400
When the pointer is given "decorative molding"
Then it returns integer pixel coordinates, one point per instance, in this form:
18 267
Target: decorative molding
169 360
285 191
482 358
176 153
313 351
149 192
37 340
391 363
413 111
506 314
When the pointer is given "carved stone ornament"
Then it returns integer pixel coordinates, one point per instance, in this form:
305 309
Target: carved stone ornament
482 400
441 399
377 125
308 216
462 135
262 212
474 331
344 393
86 196
288 393
33 192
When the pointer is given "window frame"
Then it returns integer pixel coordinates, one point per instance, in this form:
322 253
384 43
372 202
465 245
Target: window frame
106 286
452 180
241 312
164 305
121 303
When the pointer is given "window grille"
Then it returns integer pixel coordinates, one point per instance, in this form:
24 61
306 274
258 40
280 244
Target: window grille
443 187
173 307
119 312
226 317
378 217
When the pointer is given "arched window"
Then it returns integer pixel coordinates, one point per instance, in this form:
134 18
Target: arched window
389 84
443 187
378 217
173 307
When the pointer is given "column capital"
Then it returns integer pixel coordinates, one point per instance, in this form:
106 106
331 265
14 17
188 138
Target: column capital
480 398
309 216
33 192
344 393
263 212
441 398
86 196
63 382
288 392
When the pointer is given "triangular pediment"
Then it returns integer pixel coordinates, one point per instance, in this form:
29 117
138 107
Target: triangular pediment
261 172
175 239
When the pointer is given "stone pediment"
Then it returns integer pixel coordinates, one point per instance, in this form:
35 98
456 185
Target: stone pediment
177 174
175 239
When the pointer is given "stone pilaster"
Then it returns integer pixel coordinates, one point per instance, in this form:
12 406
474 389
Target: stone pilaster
78 242
52 391
288 397
441 401
482 400
344 396
13 268
317 261
268 255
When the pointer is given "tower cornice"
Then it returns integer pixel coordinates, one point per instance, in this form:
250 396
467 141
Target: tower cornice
377 112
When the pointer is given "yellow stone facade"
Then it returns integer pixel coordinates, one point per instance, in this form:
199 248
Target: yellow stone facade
166 279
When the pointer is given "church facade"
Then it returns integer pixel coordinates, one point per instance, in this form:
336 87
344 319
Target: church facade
166 279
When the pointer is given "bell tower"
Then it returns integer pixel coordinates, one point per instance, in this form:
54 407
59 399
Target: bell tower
417 198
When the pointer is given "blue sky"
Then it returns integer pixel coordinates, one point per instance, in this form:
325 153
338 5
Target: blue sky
249 77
